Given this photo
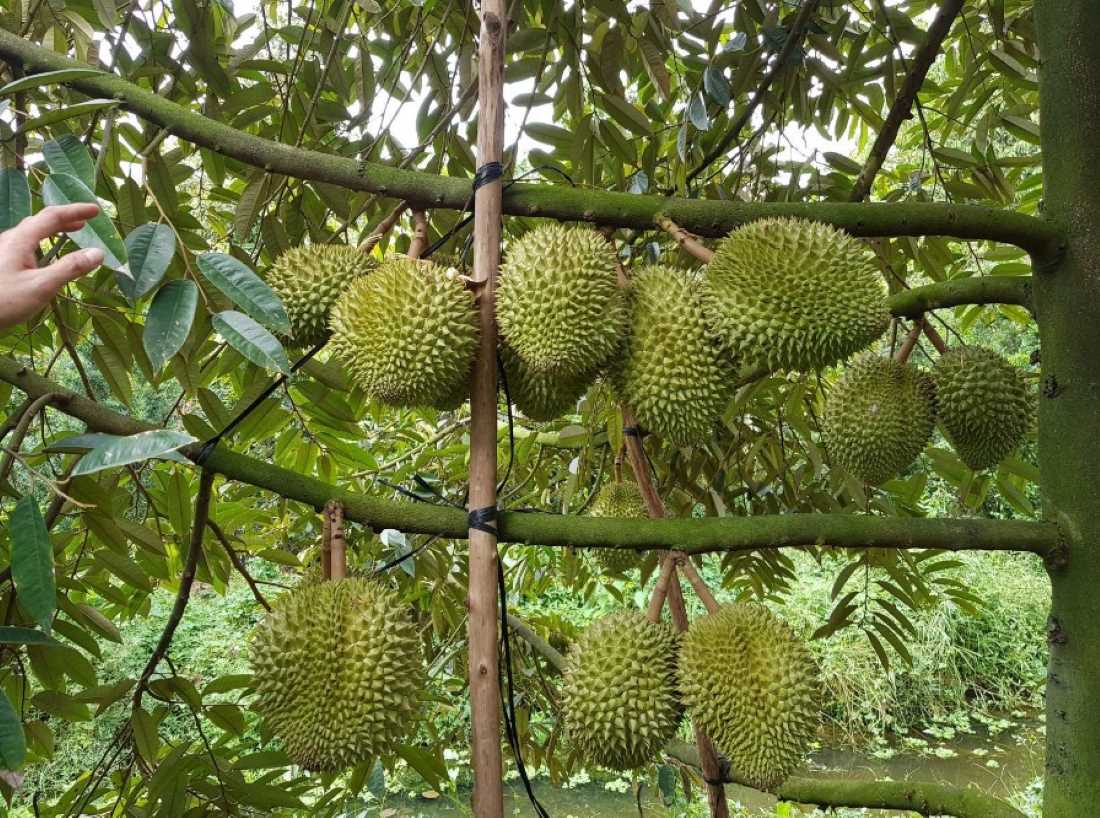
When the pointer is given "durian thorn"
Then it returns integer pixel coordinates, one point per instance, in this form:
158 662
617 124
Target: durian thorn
419 241
935 338
688 243
702 590
910 342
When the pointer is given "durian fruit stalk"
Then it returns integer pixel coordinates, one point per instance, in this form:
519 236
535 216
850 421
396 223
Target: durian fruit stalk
671 371
558 302
752 685
620 700
879 417
794 294
338 672
407 334
541 396
622 500
984 405
309 279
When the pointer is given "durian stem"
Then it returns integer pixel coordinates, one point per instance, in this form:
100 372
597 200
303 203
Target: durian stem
702 590
688 243
420 234
334 543
935 338
660 590
910 342
384 227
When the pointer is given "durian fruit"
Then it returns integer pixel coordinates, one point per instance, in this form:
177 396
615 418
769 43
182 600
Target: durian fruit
794 294
752 685
671 371
407 333
620 700
309 279
618 499
984 405
558 302
338 672
879 417
541 396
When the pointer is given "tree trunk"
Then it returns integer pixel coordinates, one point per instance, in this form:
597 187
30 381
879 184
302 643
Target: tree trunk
1068 306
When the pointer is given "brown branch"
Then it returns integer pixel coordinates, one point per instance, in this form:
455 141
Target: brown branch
384 227
907 94
334 540
935 338
21 428
910 342
420 234
660 590
702 590
66 342
688 243
238 563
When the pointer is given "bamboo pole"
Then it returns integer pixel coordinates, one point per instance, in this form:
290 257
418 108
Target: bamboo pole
488 795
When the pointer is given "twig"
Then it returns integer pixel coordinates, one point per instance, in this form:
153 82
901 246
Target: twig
701 588
21 427
935 338
910 342
384 227
660 590
238 563
688 243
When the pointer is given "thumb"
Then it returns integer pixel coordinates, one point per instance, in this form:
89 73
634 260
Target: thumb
70 267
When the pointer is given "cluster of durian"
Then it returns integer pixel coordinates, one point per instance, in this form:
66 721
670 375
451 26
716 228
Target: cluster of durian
741 673
880 415
338 672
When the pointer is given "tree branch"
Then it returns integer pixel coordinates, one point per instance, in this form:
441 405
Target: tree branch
691 536
1039 237
913 303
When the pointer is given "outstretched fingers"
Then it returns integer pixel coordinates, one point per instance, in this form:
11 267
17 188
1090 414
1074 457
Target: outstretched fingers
55 219
69 268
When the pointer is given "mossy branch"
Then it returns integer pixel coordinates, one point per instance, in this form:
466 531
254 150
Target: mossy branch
1039 237
690 536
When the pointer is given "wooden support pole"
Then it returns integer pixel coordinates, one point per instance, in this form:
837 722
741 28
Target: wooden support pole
488 795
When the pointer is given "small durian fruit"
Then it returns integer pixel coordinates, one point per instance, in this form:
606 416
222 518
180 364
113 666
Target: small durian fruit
309 279
338 672
541 396
407 333
879 417
618 499
558 302
794 294
752 685
620 700
984 405
671 370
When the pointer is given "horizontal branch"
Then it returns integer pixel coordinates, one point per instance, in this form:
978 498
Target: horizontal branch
692 536
958 291
704 217
923 797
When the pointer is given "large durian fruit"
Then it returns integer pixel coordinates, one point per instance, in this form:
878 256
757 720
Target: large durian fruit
752 685
541 396
407 334
794 294
309 279
620 700
338 672
984 405
623 500
671 371
558 302
879 417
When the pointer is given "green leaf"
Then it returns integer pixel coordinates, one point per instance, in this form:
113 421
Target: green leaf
48 78
146 736
12 635
13 744
63 112
67 154
246 289
32 561
150 248
15 197
227 716
251 340
121 451
697 113
63 188
429 763
627 115
91 440
716 85
168 321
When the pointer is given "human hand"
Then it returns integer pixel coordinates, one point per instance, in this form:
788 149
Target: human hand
25 287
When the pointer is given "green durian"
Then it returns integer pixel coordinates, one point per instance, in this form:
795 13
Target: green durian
558 302
619 698
671 370
338 672
541 396
407 334
752 685
794 294
879 417
984 405
622 499
309 279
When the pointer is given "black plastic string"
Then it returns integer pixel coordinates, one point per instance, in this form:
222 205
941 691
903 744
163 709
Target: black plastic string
509 704
483 519
398 560
632 431
511 423
489 172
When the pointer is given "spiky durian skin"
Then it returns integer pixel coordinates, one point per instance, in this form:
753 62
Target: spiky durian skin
407 333
309 279
338 672
794 294
671 371
752 685
558 302
618 500
541 396
879 417
620 700
984 405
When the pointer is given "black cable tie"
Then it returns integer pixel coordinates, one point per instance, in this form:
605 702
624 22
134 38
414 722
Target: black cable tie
206 450
483 519
489 172
632 431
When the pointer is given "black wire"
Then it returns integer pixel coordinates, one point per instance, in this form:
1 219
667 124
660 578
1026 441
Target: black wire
398 560
511 424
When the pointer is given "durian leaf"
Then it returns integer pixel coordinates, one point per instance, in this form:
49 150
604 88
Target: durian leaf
67 154
13 743
99 231
121 451
429 763
14 635
245 289
168 321
15 197
32 561
150 247
146 735
47 78
251 340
